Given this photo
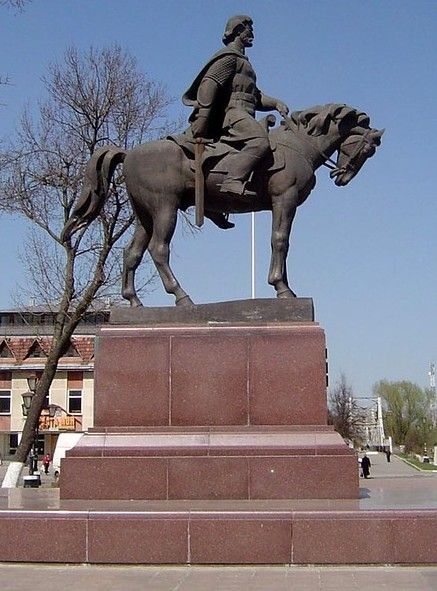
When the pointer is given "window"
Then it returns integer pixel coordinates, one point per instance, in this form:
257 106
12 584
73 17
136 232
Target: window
36 351
75 402
70 351
13 443
5 402
4 350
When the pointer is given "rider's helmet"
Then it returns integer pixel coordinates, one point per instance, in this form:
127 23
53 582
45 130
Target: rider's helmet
232 25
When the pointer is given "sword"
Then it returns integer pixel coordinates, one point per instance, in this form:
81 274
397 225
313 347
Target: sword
199 182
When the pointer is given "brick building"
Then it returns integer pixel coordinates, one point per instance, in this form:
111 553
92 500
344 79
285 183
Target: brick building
25 338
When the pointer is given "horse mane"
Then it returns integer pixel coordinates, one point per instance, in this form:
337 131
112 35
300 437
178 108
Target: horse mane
316 120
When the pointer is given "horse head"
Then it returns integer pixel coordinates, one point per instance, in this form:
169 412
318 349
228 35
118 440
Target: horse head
325 129
358 145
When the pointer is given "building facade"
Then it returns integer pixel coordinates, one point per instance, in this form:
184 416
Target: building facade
25 339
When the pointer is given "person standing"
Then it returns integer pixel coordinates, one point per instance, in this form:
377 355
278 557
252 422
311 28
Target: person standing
46 463
388 454
365 466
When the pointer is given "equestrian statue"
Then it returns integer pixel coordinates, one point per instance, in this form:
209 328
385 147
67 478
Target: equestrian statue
226 162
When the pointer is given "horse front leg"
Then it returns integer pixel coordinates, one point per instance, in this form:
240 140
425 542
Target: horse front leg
283 213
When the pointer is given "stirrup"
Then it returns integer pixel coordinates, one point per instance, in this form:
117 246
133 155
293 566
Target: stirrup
236 189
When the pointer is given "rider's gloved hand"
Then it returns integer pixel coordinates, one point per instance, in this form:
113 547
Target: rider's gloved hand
282 108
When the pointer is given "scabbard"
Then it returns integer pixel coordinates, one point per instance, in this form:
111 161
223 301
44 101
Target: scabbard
199 183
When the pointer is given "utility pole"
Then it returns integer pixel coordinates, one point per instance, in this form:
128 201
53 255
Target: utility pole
380 425
431 375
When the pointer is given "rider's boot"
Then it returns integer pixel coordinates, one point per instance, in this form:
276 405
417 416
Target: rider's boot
220 220
239 169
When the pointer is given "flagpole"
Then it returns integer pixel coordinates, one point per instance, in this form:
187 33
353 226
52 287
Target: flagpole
253 255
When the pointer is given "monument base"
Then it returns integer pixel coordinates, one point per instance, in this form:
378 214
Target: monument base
35 527
211 463
209 408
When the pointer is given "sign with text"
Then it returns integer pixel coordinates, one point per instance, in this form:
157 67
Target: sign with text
60 422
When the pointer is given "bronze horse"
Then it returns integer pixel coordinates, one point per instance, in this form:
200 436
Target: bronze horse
160 180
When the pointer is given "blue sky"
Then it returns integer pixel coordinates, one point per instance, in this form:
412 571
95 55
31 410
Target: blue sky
365 253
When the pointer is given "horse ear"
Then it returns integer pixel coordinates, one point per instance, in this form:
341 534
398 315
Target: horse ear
363 120
376 135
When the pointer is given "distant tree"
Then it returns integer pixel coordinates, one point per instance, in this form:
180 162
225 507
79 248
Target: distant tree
344 412
407 413
94 98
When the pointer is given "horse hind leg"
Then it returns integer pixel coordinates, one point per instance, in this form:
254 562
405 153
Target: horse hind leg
132 257
164 225
282 220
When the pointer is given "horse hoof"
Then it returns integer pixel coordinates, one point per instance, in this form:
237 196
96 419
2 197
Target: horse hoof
185 301
136 303
286 294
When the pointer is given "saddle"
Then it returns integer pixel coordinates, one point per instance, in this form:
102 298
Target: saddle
216 154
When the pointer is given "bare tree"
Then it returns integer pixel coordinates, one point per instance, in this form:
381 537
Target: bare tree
344 412
17 4
94 98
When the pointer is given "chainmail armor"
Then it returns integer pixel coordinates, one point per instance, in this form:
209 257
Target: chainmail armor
222 69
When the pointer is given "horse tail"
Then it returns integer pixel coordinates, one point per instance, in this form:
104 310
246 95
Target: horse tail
98 175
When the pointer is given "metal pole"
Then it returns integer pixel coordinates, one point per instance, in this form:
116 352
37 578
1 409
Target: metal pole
380 422
431 374
253 255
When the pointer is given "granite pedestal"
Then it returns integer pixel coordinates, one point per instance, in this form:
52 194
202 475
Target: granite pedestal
212 409
211 446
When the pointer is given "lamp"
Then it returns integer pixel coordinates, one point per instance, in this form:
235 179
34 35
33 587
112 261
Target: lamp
27 401
53 409
31 383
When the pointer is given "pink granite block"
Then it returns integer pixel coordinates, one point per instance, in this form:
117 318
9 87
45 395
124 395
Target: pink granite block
137 539
42 536
114 478
240 540
131 380
379 537
207 478
303 477
209 380
288 377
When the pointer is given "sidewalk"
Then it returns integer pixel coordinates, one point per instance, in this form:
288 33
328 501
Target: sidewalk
208 578
397 485
47 480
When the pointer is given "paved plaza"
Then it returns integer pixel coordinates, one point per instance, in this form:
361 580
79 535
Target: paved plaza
208 578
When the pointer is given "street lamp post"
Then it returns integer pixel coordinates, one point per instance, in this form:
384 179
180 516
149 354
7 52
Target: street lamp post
25 407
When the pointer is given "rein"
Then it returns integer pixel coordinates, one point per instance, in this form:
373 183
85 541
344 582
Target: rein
331 166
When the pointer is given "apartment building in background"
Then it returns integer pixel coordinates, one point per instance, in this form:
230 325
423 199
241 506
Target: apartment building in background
25 338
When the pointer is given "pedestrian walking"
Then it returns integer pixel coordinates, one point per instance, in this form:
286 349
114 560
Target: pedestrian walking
388 454
46 463
365 466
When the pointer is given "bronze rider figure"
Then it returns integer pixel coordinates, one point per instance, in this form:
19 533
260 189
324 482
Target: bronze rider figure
225 98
